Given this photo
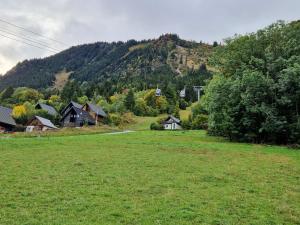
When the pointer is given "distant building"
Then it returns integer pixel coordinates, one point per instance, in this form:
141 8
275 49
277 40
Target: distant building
77 117
49 109
95 111
158 92
172 123
40 124
7 122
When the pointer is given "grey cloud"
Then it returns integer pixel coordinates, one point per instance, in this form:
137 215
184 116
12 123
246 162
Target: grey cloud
78 21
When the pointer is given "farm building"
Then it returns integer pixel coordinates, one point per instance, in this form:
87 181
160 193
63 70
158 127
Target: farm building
40 124
95 111
7 122
49 109
77 117
172 123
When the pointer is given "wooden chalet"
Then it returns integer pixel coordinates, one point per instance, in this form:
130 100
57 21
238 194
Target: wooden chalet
69 106
7 122
172 123
40 124
95 111
77 117
49 109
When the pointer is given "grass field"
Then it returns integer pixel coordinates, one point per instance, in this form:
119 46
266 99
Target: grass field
146 177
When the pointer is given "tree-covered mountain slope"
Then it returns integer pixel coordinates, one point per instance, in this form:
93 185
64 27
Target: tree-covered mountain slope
133 62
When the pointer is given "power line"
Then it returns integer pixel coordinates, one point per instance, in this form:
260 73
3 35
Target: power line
31 40
32 32
4 29
24 42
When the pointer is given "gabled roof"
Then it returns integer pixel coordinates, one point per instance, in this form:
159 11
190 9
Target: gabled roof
172 119
50 110
82 114
77 105
45 122
6 116
70 105
97 109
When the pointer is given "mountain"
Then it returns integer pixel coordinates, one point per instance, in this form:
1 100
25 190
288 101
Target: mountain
131 62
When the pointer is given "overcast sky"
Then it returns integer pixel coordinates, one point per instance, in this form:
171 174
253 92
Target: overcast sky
83 21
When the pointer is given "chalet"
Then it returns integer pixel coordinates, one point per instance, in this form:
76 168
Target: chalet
7 123
172 123
76 117
69 106
95 111
49 109
40 124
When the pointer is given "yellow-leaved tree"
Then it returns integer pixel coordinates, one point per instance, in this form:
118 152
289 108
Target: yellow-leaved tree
19 111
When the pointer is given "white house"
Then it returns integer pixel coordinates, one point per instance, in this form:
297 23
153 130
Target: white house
172 123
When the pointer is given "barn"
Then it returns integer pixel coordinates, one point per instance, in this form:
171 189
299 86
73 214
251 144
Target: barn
40 124
95 111
49 109
7 122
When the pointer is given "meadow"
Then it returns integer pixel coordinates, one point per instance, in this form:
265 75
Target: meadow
147 177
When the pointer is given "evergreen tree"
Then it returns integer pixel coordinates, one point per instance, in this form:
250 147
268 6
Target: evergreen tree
7 93
130 101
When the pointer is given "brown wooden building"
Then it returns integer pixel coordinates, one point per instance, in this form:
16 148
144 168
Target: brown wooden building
95 111
40 124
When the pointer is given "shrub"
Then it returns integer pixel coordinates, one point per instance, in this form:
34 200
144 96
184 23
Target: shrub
199 122
156 126
115 119
121 120
183 104
186 124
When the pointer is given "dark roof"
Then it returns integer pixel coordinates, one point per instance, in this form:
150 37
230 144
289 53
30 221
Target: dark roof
172 119
82 114
46 122
6 116
70 105
77 105
50 110
97 109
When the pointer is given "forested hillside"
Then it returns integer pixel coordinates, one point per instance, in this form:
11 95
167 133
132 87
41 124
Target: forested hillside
114 66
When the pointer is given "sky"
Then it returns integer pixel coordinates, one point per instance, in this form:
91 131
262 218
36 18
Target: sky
73 22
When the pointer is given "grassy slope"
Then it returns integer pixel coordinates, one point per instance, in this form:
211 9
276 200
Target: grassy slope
184 114
143 123
147 178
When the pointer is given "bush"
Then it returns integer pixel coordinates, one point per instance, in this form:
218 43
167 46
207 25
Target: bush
115 119
156 126
183 104
121 120
200 122
186 124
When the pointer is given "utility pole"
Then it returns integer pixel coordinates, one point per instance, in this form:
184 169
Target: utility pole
198 90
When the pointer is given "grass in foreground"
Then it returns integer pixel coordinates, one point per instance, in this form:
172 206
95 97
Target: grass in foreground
64 132
147 178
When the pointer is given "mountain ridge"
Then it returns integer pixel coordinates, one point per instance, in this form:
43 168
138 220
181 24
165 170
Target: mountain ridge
99 62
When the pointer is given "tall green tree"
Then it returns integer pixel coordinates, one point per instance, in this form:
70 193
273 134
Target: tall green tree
130 101
255 95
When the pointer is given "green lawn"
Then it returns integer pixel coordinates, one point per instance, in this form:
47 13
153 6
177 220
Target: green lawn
146 177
